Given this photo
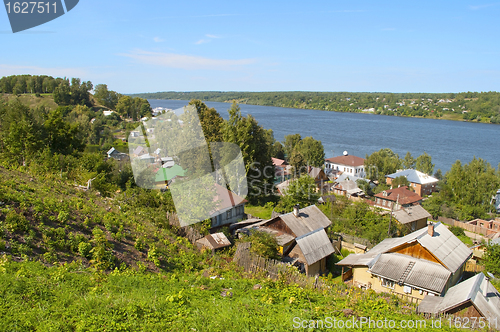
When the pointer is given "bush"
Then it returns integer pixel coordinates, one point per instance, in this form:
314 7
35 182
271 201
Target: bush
263 244
84 249
457 231
16 222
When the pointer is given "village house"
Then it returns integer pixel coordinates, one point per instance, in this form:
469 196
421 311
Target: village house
318 175
348 188
396 198
301 236
427 261
421 183
347 164
230 209
475 297
117 155
412 218
281 170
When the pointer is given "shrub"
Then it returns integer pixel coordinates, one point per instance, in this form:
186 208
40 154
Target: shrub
457 231
15 222
84 249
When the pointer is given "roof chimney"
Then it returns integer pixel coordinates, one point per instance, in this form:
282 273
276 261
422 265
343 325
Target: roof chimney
485 289
296 210
430 229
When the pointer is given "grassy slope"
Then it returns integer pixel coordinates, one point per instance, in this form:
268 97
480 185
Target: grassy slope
47 219
70 298
33 101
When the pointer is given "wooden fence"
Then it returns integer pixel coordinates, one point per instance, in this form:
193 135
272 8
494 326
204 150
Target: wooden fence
188 232
348 241
272 268
473 267
468 227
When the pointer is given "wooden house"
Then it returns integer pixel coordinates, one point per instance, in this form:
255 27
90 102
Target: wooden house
301 235
427 261
412 218
475 297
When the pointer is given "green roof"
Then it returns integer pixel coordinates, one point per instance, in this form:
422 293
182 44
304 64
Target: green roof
167 174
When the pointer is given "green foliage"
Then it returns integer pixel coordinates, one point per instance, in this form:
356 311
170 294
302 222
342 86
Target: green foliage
263 244
357 218
102 257
400 181
105 97
15 222
467 106
408 162
313 151
424 164
492 259
301 191
84 249
252 140
466 191
40 298
381 163
457 231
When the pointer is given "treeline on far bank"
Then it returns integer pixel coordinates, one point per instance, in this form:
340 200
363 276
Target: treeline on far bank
467 106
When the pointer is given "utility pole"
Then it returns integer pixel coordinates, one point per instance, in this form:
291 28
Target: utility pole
390 217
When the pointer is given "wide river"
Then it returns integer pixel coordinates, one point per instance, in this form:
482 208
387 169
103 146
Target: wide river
361 134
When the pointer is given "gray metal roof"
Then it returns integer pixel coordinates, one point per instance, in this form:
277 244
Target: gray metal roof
445 246
472 289
310 219
410 214
414 176
412 272
315 246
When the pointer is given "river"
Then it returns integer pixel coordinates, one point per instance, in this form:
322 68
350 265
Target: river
361 134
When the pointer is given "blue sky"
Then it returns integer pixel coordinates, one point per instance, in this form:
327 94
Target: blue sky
390 46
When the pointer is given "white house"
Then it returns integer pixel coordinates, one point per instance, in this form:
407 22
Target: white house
346 164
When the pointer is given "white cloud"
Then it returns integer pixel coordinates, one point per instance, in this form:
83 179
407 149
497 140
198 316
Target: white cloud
203 41
190 62
7 70
213 36
158 39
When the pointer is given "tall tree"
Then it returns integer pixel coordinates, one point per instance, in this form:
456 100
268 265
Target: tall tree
313 151
381 163
409 162
424 164
290 142
252 140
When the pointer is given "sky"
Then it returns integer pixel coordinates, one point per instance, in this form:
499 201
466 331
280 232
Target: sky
372 46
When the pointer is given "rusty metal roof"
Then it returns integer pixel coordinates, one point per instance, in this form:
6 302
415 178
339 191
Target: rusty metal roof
472 289
309 219
315 246
414 272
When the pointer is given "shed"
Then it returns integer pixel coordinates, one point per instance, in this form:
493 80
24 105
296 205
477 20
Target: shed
213 241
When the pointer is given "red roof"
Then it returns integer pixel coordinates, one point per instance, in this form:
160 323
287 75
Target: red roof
405 196
278 162
347 160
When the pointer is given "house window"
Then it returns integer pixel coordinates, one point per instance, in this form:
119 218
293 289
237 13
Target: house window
229 214
387 283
